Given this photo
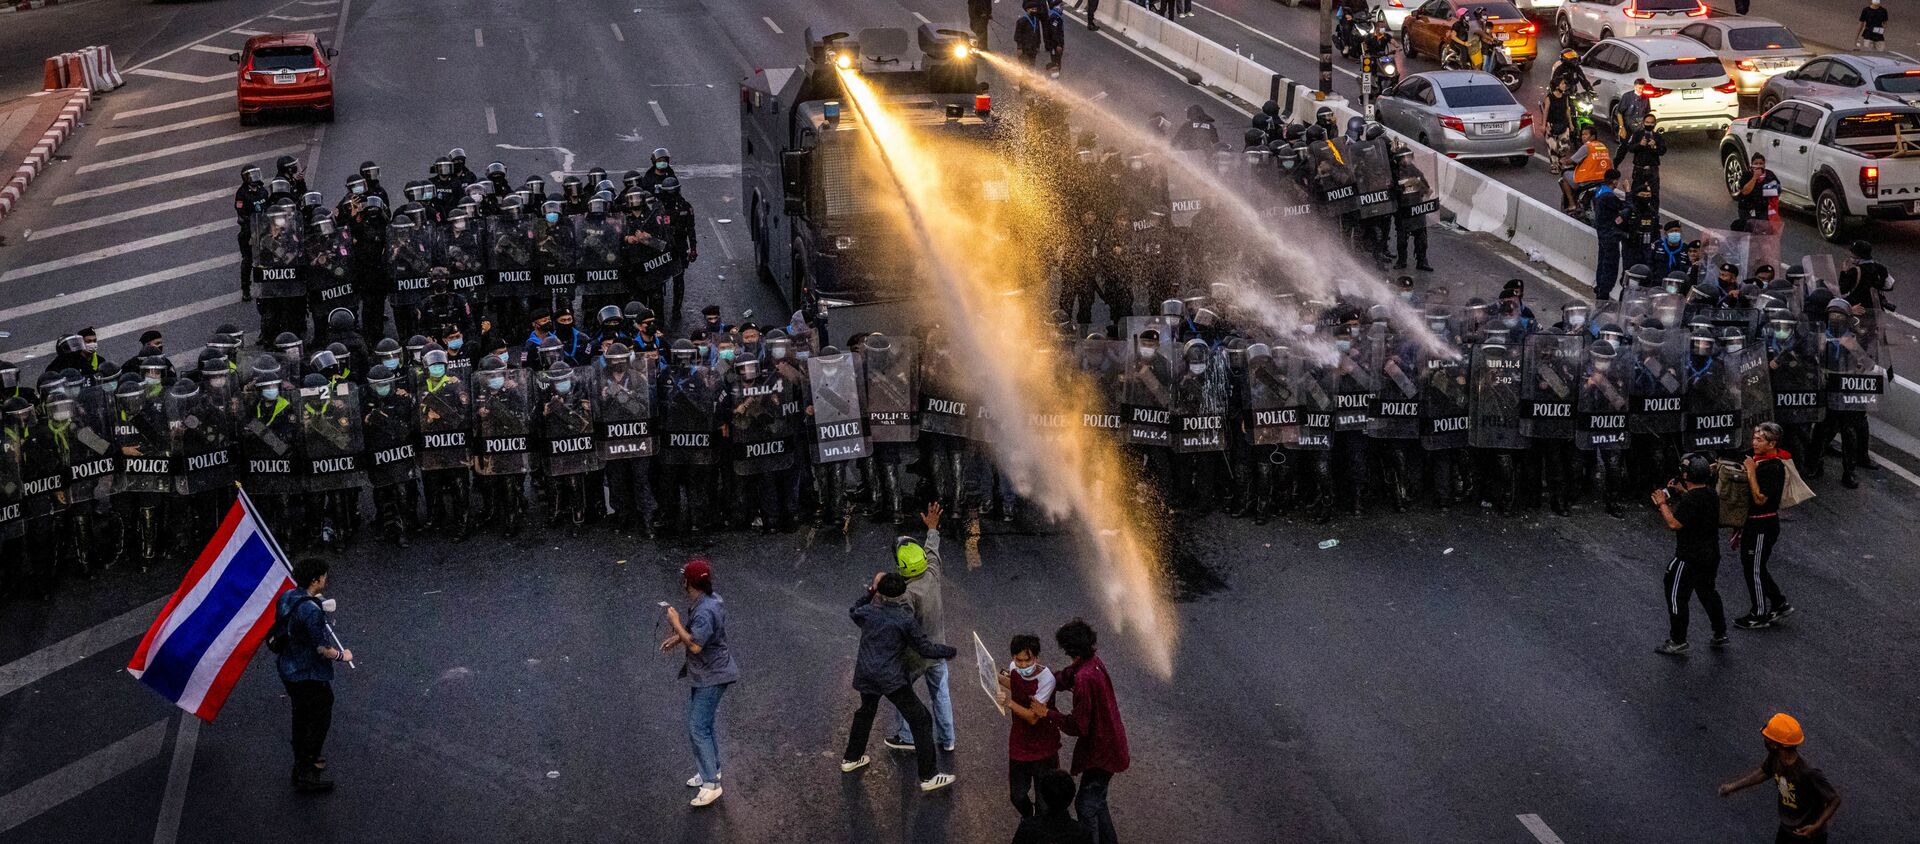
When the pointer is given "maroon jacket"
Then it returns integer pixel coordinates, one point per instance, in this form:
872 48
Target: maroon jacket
1095 719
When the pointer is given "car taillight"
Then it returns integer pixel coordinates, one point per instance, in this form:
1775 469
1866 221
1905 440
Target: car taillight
1730 88
1526 120
1633 11
1699 11
1530 28
1398 5
1454 123
1747 64
320 74
1870 181
1650 91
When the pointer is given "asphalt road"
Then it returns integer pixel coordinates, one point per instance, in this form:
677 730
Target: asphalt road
1381 690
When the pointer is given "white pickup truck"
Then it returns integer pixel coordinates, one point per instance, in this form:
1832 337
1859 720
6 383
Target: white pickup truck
1843 158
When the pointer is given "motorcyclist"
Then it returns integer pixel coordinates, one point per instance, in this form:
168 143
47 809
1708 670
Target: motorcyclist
1567 69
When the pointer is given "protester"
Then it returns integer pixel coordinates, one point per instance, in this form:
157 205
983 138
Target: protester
1033 743
709 670
920 565
1766 481
887 634
1872 35
1100 746
1692 511
1807 800
306 670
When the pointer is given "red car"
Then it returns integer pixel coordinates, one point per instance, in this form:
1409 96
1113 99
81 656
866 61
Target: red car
285 72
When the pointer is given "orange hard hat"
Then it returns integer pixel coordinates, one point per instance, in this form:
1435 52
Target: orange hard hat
1784 729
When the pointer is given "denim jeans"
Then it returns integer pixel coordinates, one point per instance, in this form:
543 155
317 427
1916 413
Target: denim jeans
703 706
939 702
1091 805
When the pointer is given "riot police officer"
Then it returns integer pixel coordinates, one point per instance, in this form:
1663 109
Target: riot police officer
250 199
676 217
392 468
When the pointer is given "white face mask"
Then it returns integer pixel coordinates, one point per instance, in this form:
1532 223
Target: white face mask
1197 368
1027 672
92 346
1146 352
778 354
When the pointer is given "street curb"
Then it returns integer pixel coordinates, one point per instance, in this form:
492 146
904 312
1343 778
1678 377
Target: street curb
26 5
78 101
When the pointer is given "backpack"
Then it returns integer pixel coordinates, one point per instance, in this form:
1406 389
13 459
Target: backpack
282 632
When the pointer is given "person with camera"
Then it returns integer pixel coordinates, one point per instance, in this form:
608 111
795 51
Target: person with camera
306 654
1691 509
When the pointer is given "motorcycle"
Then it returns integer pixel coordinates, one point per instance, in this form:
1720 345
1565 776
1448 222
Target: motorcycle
1503 67
1384 70
1351 34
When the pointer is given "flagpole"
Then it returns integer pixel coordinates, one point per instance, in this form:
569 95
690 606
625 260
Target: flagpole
281 555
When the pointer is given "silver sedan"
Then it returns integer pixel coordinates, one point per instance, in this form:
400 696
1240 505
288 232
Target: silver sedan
1835 75
1753 50
1460 114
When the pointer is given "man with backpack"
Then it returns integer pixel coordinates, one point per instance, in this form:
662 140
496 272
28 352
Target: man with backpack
306 653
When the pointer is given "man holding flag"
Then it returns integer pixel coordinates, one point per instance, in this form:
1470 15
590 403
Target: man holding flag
306 669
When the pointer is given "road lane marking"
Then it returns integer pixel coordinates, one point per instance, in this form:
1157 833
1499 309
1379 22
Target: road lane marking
773 26
185 741
1314 57
923 18
215 34
180 77
1881 461
129 214
479 41
617 34
1539 828
161 130
101 291
113 251
209 48
298 18
28 669
81 776
163 319
721 237
493 126
179 148
156 109
81 196
247 32
658 114
319 2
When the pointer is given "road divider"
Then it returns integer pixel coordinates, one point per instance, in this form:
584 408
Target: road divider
92 68
41 153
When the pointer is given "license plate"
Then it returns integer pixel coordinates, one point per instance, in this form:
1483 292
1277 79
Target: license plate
1913 207
1693 94
1503 35
284 79
1490 128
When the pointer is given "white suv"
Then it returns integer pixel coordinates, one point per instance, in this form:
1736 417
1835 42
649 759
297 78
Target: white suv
1587 21
1683 81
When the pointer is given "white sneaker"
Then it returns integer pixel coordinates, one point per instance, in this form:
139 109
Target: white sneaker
695 781
708 794
855 765
938 782
948 747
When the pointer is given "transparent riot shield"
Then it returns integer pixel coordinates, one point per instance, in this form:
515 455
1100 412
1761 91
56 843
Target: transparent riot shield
145 449
1313 395
691 416
511 263
892 388
1356 384
393 451
502 422
1720 246
1822 271
944 406
1658 383
1146 396
1445 400
444 417
1601 412
1798 381
89 435
603 266
1273 409
463 251
1396 410
1334 176
1373 178
1548 393
1749 365
330 276
567 424
269 438
1100 362
1496 372
1199 401
1414 194
626 413
1854 359
201 427
12 513
1713 405
1653 305
43 472
761 433
409 260
278 253
839 417
331 430
648 253
558 245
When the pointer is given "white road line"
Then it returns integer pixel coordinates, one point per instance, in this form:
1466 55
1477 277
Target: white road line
658 113
185 741
181 77
297 18
164 319
209 48
1882 461
145 62
774 26
721 237
923 18
1243 25
247 32
617 34
150 181
130 214
493 126
36 798
179 148
1539 828
27 670
1549 279
102 291
161 130
114 251
319 2
479 40
141 112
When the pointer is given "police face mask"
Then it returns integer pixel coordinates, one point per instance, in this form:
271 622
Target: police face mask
270 393
391 363
1673 238
383 390
151 380
661 165
1197 368
496 383
726 354
563 387
1782 333
1146 352
553 218
91 346
437 370
454 343
1343 345
1602 365
777 353
62 415
359 188
1576 320
502 356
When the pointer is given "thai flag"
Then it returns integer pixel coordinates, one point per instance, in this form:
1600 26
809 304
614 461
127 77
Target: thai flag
198 647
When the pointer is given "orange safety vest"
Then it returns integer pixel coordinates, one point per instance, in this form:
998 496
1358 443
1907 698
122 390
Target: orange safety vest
1594 167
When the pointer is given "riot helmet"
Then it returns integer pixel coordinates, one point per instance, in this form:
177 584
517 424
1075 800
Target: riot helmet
287 167
610 316
369 171
442 166
670 186
662 160
388 352
631 179
341 319
250 175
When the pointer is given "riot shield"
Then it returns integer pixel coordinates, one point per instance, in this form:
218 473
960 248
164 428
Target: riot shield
502 413
393 454
558 246
1272 407
1496 372
511 258
1396 410
269 436
278 253
1749 365
691 416
1713 405
1652 304
1798 381
463 251
839 417
1101 361
145 450
201 428
43 472
1658 383
89 436
1373 178
648 253
944 409
409 260
1414 196
602 262
1355 379
1146 395
1822 271
1199 421
626 413
1547 396
444 416
1720 246
1601 412
1313 396
330 275
892 389
1335 176
1445 399
567 425
330 428
12 515
1854 359
761 432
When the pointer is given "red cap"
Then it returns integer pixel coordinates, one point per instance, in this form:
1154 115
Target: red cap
698 574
